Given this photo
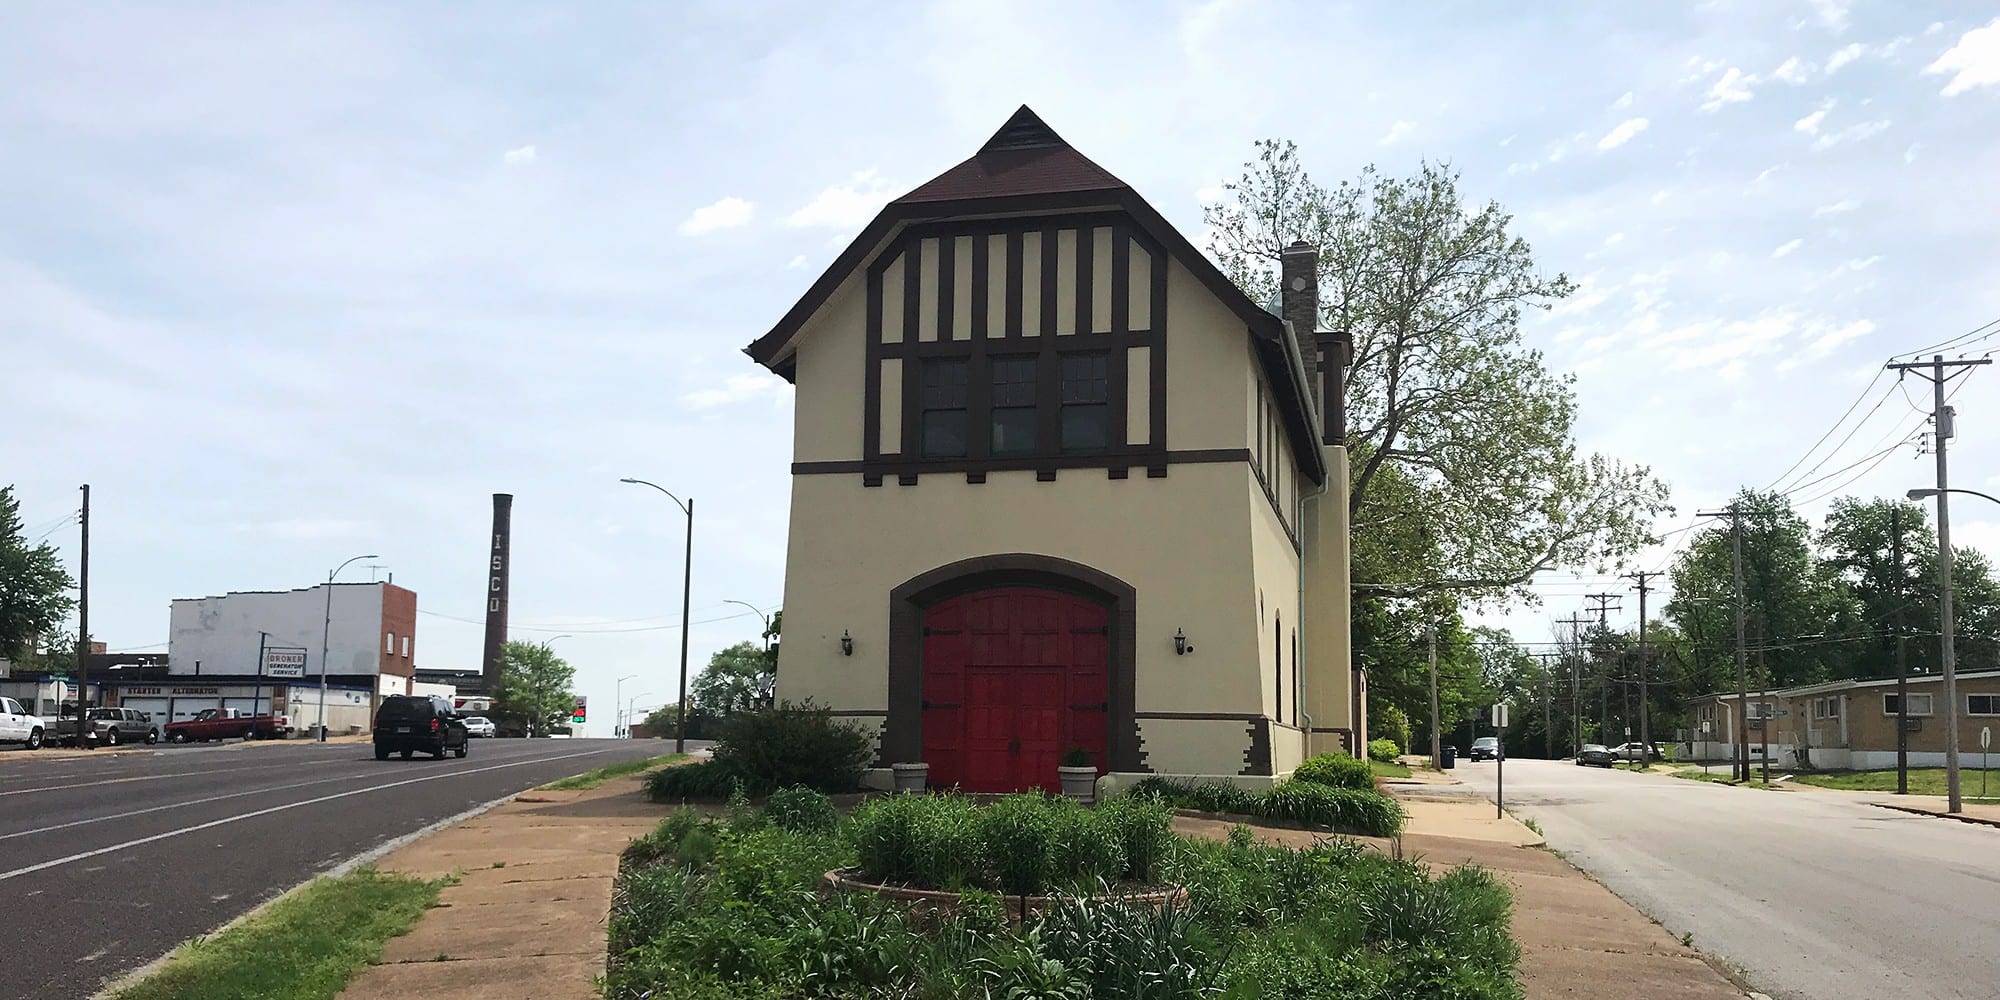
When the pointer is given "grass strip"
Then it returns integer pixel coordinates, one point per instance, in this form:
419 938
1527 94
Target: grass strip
306 946
1923 781
592 779
1722 778
1389 769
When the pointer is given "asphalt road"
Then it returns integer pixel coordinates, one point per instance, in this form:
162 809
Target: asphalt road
108 862
1812 894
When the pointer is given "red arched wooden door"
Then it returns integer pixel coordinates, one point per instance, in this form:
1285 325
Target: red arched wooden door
1013 677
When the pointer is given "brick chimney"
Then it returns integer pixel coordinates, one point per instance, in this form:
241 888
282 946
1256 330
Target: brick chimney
1298 276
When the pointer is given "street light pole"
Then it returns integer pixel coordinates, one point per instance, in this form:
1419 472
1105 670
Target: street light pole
618 707
767 643
687 579
325 635
1948 651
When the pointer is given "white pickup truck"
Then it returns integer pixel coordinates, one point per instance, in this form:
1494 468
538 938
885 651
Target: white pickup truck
17 726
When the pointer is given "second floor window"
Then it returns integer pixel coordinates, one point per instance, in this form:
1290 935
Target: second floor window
1013 430
1086 410
944 404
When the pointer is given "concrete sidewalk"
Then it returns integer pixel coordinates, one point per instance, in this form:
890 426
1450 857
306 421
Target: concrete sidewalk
1577 938
527 918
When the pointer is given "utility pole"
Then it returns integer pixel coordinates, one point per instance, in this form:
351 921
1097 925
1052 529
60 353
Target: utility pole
1437 739
1604 604
1902 662
1575 683
82 627
1941 432
1645 703
1739 768
1548 714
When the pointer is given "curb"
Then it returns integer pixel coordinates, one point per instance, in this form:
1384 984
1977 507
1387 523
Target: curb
1961 817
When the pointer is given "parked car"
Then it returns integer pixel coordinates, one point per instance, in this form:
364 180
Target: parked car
1595 755
1636 751
481 726
1485 748
109 727
407 723
17 726
227 724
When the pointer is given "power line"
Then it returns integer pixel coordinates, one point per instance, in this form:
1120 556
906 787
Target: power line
1851 407
1954 343
579 630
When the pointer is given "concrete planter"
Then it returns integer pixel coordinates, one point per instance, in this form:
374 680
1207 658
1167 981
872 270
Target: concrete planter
1079 783
911 777
933 904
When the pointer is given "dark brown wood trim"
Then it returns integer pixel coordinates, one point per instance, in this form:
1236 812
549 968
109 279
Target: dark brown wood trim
1257 756
1118 367
1086 259
1114 460
960 349
902 734
947 279
1156 398
827 468
1014 289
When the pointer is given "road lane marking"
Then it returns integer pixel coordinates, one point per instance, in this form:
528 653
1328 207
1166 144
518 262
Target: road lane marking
211 824
138 777
200 802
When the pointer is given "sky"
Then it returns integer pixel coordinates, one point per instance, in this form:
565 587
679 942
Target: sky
289 283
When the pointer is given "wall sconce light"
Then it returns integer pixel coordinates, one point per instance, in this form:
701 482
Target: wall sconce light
1181 645
846 643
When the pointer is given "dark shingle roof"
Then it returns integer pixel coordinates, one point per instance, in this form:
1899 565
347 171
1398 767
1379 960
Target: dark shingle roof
1024 157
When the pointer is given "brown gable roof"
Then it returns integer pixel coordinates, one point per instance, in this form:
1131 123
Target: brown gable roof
1026 167
1025 157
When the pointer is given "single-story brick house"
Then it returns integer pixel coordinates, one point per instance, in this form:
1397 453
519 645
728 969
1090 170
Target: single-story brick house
1849 724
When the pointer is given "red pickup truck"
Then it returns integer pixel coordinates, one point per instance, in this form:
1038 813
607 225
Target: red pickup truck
227 723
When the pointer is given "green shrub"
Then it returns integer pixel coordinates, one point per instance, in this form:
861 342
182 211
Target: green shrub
1020 837
1130 952
651 899
664 840
1386 721
708 779
1385 751
1350 810
947 849
1242 837
1090 856
1204 796
883 832
791 744
801 810
1144 828
1337 770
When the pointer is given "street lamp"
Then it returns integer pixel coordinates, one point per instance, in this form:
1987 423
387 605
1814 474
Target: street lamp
767 640
618 706
687 578
632 709
326 632
1947 653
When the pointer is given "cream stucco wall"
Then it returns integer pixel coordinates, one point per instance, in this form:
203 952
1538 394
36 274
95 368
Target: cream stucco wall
827 406
1208 374
1328 641
852 544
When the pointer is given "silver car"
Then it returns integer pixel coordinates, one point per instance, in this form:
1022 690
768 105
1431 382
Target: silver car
479 726
109 727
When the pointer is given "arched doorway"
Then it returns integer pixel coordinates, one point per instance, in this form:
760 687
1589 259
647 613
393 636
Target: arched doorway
1013 678
1022 611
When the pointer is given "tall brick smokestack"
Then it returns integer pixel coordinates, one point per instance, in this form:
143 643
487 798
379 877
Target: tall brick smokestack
1298 270
496 591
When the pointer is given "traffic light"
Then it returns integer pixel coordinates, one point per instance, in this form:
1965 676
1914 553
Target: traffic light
576 712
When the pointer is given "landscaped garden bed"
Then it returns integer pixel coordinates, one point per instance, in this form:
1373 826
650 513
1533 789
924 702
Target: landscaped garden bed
737 906
1331 792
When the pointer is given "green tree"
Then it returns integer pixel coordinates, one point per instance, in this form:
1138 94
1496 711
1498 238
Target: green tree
736 678
34 587
1798 613
535 687
1458 433
1855 547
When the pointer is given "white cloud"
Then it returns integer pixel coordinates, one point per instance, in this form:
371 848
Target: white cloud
1787 248
1765 174
845 206
1842 56
1910 154
1831 14
1810 123
1212 193
1863 263
728 213
1852 133
1614 239
520 156
1793 71
1398 132
1622 133
797 262
1838 207
735 389
1973 62
1730 88
1824 344
1623 102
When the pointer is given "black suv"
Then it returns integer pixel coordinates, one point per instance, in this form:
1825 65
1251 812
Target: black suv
408 723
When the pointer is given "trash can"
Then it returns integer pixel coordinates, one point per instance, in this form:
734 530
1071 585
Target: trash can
1449 759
